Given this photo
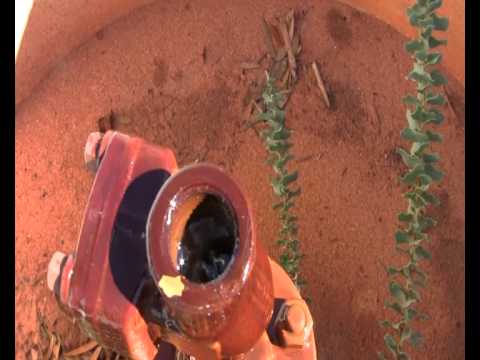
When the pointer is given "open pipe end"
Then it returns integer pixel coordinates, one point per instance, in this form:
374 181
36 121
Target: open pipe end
209 238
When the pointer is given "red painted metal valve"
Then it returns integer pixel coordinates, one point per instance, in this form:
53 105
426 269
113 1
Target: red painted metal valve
168 263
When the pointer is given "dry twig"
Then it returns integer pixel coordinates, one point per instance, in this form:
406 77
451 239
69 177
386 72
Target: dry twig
320 84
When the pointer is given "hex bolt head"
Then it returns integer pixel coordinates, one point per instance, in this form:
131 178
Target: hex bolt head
55 269
296 319
91 151
294 324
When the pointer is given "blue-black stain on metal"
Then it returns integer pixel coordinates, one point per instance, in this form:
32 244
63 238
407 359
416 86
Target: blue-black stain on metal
128 254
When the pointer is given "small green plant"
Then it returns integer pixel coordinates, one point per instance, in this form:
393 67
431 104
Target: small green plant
276 137
407 280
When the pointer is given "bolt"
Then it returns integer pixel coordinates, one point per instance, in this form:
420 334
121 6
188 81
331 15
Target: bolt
296 319
90 154
55 270
295 325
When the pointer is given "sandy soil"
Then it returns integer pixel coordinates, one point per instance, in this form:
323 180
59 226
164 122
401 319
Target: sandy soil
173 69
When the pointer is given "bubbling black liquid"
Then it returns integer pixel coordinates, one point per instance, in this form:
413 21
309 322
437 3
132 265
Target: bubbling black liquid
208 242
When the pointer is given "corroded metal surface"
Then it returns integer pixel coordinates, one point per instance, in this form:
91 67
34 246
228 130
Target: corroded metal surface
123 283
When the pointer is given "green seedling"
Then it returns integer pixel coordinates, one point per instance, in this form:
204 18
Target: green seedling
422 112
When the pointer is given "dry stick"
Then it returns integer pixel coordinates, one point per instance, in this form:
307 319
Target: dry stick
56 350
50 347
288 46
260 59
267 34
96 353
372 111
249 65
291 19
450 106
82 349
320 83
281 53
285 78
259 109
310 157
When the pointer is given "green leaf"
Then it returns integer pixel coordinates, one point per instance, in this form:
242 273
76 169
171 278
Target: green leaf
290 178
281 134
293 245
416 136
402 356
405 217
280 163
424 179
280 147
264 116
401 237
391 271
397 291
277 205
381 355
421 55
418 148
417 201
434 116
282 242
419 278
410 100
414 20
415 45
433 58
416 339
421 253
419 114
435 174
434 42
409 314
435 137
420 76
406 333
426 22
389 324
435 99
394 306
279 114
278 188
426 33
390 343
426 222
412 122
429 198
288 205
434 5
292 194
437 79
406 272
411 176
440 23
410 161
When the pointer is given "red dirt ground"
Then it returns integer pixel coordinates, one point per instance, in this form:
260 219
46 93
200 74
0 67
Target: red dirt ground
149 67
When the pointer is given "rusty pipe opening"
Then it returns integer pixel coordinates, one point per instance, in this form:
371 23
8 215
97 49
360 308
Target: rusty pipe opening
200 228
209 238
205 259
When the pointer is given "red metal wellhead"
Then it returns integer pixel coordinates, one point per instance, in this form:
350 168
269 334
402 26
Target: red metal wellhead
168 262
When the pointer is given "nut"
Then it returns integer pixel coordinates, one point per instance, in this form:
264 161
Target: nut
55 269
294 324
91 151
296 319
